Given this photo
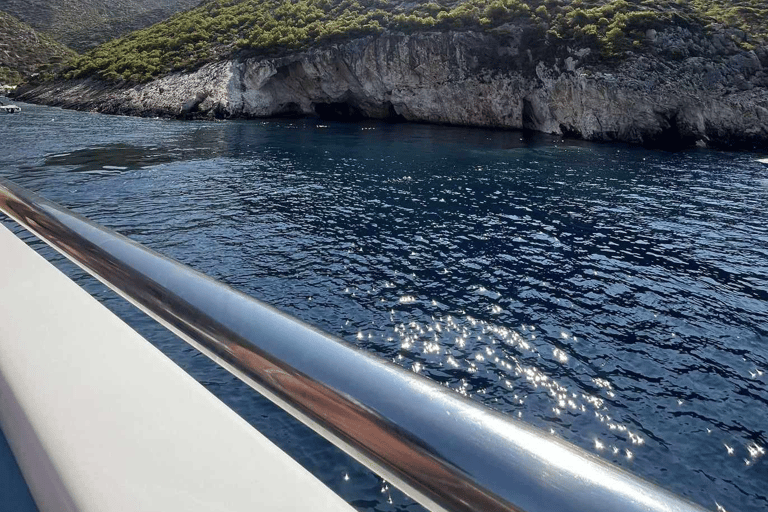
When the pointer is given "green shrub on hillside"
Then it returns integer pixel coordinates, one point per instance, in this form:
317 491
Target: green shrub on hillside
9 76
749 16
24 51
220 28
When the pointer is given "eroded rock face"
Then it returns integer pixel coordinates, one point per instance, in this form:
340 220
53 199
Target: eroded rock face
503 79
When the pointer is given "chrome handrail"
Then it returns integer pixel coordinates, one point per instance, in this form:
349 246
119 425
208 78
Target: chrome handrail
445 451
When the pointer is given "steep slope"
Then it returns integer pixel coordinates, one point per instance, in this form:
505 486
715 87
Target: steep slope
221 28
23 51
83 24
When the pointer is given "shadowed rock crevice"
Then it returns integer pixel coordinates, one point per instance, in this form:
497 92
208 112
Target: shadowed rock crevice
569 131
530 120
674 134
290 109
338 111
348 111
392 115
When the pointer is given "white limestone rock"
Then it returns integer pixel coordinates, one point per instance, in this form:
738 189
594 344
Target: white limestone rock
499 79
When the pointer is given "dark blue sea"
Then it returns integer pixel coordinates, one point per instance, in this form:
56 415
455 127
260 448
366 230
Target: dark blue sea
612 295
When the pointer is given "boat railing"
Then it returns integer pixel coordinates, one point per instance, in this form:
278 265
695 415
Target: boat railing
444 450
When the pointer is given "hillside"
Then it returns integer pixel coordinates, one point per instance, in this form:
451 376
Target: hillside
23 51
220 28
663 74
83 24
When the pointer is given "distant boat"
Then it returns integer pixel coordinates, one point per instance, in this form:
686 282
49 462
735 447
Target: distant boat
9 109
763 160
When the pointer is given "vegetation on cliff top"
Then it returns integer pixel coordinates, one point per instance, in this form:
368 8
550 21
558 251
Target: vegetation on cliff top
24 52
221 28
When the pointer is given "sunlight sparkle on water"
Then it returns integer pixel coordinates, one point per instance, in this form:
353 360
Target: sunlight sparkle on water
560 355
495 356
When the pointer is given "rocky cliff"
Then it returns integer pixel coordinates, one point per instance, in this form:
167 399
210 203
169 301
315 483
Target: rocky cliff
685 91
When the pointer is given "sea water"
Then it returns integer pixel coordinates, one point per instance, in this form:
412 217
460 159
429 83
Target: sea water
613 296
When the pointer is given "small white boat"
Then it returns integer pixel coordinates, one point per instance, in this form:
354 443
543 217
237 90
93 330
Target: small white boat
9 109
763 160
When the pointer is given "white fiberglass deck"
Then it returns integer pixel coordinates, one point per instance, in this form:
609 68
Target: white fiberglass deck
100 420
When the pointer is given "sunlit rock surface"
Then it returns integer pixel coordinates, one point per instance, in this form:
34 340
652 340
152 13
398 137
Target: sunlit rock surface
683 92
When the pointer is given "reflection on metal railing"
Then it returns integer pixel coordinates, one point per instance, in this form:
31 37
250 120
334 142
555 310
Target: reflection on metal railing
445 451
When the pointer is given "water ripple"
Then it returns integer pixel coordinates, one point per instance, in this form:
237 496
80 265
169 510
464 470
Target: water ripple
613 296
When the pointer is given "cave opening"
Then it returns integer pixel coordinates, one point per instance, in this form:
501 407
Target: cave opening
345 111
392 115
673 135
341 111
530 120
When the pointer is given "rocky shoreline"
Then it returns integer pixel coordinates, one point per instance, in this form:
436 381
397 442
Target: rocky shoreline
686 91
